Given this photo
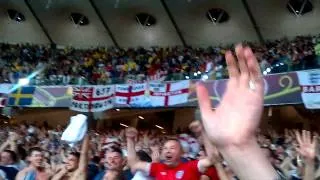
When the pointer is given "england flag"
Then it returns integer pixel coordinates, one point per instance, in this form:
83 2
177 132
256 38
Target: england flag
130 93
170 93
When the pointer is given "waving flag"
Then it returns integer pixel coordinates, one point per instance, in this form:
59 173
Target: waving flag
92 98
130 94
170 93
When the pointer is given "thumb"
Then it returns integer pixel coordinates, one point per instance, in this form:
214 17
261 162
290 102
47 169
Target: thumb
204 100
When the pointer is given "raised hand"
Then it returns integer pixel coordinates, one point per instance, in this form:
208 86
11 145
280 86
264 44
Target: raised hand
196 128
307 145
13 136
111 175
238 115
155 153
131 133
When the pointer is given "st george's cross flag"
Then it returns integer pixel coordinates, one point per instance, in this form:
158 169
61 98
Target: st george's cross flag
92 98
169 93
310 88
130 93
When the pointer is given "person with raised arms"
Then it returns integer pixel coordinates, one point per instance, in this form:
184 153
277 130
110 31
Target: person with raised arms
171 167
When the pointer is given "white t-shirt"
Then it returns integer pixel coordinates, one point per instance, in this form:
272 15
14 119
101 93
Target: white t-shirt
139 175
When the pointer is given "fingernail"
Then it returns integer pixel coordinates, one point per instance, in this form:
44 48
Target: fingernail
248 52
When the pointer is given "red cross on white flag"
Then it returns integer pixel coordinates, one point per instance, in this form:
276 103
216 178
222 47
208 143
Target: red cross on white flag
170 93
92 98
128 94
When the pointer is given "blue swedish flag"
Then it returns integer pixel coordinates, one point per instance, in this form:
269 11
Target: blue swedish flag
21 97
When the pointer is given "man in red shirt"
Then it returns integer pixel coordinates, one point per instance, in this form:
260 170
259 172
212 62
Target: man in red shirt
230 127
171 168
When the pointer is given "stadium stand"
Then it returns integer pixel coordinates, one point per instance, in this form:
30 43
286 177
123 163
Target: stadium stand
100 42
113 65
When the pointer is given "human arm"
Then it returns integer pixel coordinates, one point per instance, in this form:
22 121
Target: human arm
60 173
155 151
134 163
286 165
212 152
4 145
10 142
13 142
231 127
307 148
23 173
81 172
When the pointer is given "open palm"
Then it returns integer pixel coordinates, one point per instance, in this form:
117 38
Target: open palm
238 114
307 144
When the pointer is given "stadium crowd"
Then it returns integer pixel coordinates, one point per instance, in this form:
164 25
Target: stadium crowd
229 143
26 148
112 65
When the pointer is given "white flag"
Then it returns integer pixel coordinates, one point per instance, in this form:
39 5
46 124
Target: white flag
170 93
130 93
92 98
310 88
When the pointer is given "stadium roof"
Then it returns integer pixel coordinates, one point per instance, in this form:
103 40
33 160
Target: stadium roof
131 23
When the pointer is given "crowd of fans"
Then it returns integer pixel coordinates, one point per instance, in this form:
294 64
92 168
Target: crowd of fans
225 145
26 148
113 65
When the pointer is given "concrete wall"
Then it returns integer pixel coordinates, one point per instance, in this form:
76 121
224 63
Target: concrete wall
182 118
199 31
63 31
129 33
275 21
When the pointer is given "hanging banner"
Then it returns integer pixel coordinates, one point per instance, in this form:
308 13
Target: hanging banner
92 98
310 88
280 89
169 93
130 93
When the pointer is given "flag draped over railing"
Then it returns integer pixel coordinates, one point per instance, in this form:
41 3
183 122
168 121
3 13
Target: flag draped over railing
310 88
286 88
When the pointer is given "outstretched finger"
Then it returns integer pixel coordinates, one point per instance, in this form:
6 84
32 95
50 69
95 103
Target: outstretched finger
298 136
315 140
304 135
308 137
242 61
254 69
203 100
232 65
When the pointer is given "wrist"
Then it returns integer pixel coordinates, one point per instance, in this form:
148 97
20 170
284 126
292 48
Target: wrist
251 143
248 155
218 164
309 160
